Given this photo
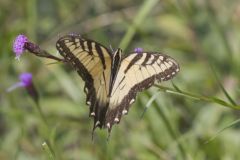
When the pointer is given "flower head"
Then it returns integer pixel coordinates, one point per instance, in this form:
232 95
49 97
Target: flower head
26 79
19 45
27 83
138 50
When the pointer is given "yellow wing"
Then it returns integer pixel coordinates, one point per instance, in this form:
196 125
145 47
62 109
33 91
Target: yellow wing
137 72
92 61
111 83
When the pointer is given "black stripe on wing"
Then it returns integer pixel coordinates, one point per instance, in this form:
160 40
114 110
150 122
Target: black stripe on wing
68 55
137 73
85 44
133 61
89 58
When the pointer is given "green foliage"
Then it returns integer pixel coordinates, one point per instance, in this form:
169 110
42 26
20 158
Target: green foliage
198 120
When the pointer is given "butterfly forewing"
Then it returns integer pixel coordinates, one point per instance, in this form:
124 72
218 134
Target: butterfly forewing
93 63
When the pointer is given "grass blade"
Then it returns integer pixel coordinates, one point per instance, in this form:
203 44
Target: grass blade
228 126
198 97
149 103
171 130
145 9
222 88
48 151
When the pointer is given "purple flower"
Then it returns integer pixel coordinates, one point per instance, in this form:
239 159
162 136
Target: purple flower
27 83
26 79
19 45
138 50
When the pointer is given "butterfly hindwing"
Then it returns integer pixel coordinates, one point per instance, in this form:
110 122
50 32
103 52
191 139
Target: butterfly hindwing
92 61
138 71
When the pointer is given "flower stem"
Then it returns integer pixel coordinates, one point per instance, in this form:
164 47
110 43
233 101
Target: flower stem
43 117
36 50
177 91
48 144
48 150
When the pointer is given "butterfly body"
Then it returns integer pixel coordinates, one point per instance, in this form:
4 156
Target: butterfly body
112 81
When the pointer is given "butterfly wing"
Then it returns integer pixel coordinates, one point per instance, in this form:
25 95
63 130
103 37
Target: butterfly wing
92 61
137 72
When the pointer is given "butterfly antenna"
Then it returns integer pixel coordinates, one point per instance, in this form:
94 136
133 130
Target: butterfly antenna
110 46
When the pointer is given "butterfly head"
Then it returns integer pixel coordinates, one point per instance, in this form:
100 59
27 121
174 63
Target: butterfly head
118 51
117 54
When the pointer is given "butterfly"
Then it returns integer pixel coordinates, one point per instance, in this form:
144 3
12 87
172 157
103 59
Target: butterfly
112 81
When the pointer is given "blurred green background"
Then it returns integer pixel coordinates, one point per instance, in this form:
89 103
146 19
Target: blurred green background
199 34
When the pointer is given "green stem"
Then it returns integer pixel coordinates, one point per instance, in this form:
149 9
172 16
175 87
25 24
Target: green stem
172 132
48 151
43 118
220 29
47 135
222 88
223 129
145 9
31 18
197 97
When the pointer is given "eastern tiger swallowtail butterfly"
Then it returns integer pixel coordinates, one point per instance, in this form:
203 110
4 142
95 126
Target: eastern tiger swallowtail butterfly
112 81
